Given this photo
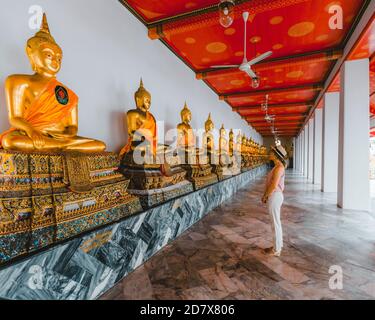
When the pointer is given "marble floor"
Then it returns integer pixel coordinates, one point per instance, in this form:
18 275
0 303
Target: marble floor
221 256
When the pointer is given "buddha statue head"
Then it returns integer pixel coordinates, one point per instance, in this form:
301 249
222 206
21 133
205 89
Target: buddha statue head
186 114
44 53
142 98
209 125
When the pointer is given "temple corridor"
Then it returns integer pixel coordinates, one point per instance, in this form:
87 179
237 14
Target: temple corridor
221 256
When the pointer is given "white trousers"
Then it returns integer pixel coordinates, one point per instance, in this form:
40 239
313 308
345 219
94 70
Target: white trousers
275 202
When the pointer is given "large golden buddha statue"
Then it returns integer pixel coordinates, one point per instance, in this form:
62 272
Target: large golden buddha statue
42 111
53 184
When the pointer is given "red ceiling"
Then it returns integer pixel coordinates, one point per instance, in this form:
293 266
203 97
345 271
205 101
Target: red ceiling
297 31
364 48
154 10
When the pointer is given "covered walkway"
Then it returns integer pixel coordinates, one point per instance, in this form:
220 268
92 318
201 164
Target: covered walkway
221 256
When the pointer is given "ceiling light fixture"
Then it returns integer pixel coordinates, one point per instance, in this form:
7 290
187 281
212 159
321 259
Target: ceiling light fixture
226 9
255 83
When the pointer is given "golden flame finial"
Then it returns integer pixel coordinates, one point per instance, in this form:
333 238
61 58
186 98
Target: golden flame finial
42 36
44 26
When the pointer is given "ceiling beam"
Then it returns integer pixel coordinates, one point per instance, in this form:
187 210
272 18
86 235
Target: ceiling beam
285 61
277 117
279 125
313 87
276 106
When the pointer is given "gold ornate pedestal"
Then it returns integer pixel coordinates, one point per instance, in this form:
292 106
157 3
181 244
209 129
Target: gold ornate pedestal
46 198
199 173
155 183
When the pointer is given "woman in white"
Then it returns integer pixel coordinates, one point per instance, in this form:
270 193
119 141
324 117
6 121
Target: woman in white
274 197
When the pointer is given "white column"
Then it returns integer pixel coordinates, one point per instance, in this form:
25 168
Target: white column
294 153
310 160
303 153
330 141
318 127
306 151
354 127
299 153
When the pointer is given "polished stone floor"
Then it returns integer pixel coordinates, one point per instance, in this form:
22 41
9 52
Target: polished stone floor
221 256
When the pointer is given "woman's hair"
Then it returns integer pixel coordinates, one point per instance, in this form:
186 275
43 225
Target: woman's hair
283 160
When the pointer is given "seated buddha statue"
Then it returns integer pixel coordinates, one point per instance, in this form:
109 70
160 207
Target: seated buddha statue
208 137
223 147
239 143
231 145
199 171
43 112
53 183
145 162
185 134
141 124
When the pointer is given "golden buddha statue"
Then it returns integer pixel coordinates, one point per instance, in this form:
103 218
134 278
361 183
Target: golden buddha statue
243 144
208 137
42 111
223 147
54 184
239 143
223 143
185 134
141 123
231 146
196 162
150 166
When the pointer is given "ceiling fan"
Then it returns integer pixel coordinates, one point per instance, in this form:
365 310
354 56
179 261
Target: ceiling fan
246 65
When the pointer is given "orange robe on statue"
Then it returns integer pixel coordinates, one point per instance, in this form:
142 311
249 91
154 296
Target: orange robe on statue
54 103
148 130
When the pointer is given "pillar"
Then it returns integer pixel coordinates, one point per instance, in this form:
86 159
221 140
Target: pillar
330 141
318 128
310 167
294 153
354 130
306 151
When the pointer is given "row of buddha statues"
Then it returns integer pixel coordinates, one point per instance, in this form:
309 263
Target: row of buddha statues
55 184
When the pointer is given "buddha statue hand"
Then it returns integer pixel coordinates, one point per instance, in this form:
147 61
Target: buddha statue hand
38 139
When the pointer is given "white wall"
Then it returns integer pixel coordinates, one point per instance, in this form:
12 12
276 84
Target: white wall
106 51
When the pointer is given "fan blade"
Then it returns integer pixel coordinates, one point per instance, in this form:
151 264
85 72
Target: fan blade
245 16
260 58
226 66
251 73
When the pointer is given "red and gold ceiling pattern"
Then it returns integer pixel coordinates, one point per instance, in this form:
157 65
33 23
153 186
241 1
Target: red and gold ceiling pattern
304 47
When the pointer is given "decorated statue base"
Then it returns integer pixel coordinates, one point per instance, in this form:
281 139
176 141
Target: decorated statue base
46 198
154 183
199 173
